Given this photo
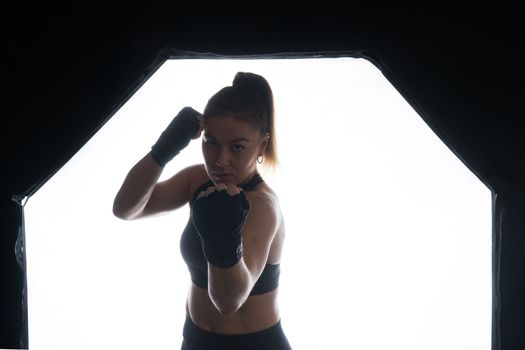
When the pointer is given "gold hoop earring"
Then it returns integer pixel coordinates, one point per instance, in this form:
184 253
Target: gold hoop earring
261 159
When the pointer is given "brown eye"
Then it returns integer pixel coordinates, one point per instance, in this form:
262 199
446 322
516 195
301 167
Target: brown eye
238 148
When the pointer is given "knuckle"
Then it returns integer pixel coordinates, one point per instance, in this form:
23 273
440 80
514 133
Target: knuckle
201 194
232 190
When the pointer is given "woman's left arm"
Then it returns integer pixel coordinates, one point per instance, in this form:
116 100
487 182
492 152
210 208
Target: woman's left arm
230 285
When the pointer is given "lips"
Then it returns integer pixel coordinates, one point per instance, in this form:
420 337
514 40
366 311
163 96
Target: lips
222 176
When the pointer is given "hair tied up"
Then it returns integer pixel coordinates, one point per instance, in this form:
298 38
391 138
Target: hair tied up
250 98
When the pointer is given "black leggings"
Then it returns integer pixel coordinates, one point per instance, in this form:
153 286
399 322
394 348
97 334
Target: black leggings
195 338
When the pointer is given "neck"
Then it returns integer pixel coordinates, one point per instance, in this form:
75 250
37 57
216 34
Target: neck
251 181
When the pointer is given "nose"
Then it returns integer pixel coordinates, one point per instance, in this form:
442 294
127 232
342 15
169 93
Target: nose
224 158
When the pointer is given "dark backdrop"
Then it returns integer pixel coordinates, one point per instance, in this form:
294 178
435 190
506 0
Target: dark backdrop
461 67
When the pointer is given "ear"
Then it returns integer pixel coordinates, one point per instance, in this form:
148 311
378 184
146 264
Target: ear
264 143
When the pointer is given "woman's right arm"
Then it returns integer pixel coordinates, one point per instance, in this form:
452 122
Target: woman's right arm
142 195
137 188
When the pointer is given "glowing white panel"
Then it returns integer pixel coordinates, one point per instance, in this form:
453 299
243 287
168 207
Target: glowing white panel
388 233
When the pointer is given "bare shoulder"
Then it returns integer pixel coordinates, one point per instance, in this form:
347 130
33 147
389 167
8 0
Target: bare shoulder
189 175
195 168
197 172
265 198
264 227
175 191
197 176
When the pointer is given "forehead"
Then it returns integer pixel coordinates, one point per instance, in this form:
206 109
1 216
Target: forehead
229 127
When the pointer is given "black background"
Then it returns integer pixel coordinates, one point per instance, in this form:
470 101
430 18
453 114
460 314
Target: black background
66 66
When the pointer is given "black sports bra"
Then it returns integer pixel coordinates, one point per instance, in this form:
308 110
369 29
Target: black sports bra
191 250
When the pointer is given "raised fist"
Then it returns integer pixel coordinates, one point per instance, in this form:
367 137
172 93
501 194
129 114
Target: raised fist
185 126
218 215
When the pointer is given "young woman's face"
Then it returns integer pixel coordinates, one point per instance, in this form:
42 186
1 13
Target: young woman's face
230 147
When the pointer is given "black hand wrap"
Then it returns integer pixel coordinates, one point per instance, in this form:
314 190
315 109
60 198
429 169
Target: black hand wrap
176 136
219 218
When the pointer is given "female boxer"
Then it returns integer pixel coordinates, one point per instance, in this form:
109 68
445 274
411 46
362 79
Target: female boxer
233 241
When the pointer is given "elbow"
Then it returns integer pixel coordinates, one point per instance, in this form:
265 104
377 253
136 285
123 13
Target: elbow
227 305
227 308
117 213
117 209
228 288
120 213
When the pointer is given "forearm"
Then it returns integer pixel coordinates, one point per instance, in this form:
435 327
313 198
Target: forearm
229 287
137 188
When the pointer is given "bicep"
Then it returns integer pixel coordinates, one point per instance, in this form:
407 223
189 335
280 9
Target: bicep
258 233
172 193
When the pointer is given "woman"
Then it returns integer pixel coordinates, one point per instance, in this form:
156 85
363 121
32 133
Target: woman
233 241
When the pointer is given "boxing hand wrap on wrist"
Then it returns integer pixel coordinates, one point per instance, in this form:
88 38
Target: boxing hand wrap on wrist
219 219
176 137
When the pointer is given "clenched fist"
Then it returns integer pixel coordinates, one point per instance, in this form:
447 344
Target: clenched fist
218 215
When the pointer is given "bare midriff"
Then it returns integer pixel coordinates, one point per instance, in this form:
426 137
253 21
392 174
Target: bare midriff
257 313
